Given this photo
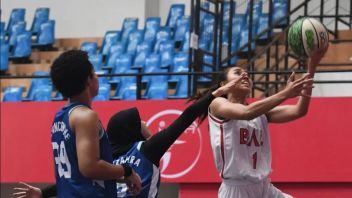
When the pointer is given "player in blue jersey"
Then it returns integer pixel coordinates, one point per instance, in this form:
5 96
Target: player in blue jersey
133 144
82 154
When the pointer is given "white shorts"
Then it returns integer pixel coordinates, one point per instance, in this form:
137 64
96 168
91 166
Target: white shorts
263 189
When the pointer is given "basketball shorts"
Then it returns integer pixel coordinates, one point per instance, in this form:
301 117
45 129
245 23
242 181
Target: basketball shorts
263 189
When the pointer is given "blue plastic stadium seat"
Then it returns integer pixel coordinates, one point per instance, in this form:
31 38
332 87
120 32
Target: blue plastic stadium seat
135 38
264 24
244 39
279 10
2 26
115 51
110 39
15 31
208 60
185 43
103 93
42 93
182 27
37 82
127 88
2 32
156 91
102 79
143 51
152 26
4 61
176 11
226 15
181 88
203 44
152 64
180 64
41 16
17 15
129 24
157 88
164 34
203 14
166 50
12 94
46 34
238 23
123 63
57 97
96 60
257 11
23 46
208 30
89 47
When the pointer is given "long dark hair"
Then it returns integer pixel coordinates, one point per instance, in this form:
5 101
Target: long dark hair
222 77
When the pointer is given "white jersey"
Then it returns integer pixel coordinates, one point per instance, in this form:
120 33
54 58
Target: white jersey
241 148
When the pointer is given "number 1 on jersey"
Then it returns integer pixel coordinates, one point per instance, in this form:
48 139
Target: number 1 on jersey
254 157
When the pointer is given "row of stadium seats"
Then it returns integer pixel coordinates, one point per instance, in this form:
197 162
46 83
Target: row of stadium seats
157 87
157 48
18 40
240 24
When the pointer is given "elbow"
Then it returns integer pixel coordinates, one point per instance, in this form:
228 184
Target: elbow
87 170
302 113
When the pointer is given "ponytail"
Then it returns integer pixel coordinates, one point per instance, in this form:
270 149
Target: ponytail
200 95
221 78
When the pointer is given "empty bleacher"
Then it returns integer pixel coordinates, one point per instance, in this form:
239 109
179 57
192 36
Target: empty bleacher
159 48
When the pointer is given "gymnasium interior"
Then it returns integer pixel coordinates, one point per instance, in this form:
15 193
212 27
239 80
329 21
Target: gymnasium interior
156 54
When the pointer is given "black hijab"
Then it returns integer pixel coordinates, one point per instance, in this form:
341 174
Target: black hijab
124 129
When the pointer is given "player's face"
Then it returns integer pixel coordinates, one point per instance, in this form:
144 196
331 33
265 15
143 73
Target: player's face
245 84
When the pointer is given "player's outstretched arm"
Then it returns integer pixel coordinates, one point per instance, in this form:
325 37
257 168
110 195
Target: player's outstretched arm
225 109
155 147
286 113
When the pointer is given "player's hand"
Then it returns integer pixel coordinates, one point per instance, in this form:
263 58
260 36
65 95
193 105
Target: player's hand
27 191
134 183
225 89
315 60
319 54
295 87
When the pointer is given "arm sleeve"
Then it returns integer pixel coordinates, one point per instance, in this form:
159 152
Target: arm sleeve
155 147
49 191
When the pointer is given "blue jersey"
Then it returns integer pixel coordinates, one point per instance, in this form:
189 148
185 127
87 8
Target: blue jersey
70 182
147 171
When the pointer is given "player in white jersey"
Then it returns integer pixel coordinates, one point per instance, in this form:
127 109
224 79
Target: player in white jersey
239 131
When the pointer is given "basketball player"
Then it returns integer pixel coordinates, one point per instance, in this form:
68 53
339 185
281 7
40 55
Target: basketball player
239 132
82 154
133 145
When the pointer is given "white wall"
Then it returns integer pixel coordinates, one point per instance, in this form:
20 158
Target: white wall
80 18
332 89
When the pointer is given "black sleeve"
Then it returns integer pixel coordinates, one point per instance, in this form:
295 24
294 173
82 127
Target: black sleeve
49 191
155 147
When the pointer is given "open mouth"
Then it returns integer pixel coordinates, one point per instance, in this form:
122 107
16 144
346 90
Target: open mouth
245 81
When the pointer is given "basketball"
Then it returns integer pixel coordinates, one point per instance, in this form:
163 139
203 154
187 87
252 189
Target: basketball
307 35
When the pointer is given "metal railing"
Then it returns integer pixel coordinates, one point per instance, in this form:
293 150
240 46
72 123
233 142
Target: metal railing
273 43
